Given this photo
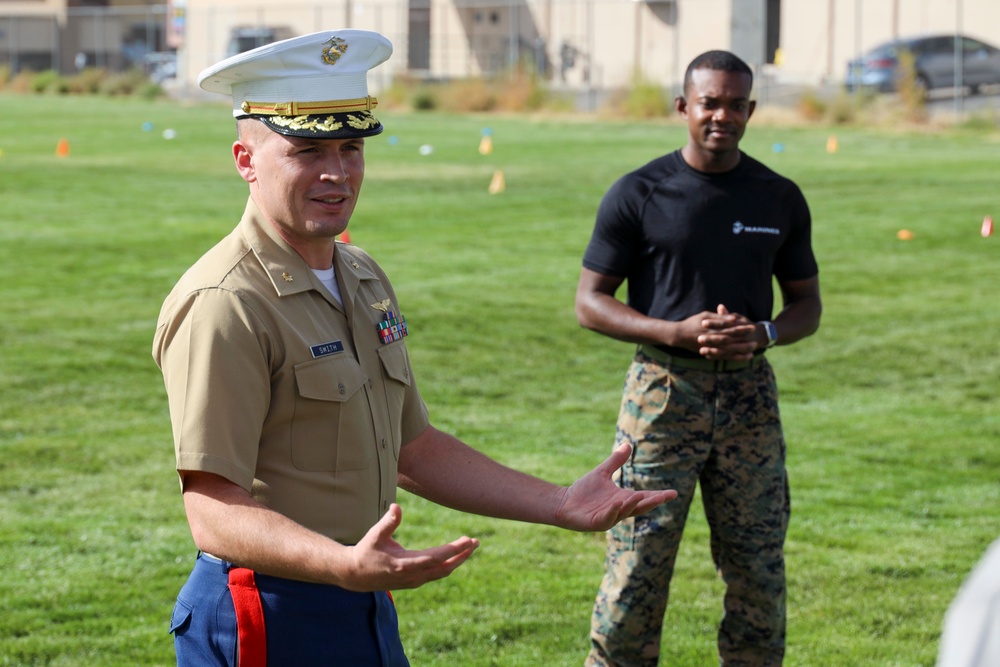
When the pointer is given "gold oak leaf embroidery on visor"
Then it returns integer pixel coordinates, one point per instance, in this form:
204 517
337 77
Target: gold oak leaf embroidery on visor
361 123
328 124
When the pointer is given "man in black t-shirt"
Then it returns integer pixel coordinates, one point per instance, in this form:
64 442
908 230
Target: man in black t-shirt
699 235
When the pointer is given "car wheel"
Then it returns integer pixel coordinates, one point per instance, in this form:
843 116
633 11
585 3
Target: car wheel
922 86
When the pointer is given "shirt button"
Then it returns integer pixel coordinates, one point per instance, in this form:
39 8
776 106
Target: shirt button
342 388
385 505
383 443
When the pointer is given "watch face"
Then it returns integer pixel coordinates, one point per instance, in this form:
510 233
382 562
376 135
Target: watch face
772 333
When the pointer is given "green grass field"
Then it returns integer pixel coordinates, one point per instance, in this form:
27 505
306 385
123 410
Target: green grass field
891 410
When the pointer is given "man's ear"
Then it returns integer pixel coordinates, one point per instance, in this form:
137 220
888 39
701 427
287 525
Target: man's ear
680 104
242 155
753 105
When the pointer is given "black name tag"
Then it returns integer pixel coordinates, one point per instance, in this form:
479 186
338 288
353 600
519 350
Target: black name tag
324 349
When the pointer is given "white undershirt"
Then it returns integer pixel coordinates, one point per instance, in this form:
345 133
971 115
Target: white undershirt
329 280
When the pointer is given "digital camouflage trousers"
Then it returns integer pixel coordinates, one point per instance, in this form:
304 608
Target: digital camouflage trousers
722 431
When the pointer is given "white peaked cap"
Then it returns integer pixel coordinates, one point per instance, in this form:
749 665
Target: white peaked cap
315 85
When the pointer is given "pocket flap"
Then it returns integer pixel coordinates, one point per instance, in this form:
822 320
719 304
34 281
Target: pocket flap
330 379
180 618
393 358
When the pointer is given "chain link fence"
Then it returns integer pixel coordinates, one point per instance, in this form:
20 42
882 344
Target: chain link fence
587 47
112 38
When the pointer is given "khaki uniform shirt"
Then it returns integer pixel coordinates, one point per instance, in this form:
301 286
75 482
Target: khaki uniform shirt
275 386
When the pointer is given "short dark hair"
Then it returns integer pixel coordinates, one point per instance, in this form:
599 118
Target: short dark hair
722 61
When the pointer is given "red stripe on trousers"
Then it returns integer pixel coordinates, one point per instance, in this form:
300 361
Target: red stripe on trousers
249 618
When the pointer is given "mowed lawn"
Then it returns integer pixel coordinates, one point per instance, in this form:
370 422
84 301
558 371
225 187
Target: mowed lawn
891 410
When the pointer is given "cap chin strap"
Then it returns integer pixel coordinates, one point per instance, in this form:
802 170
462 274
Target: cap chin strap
308 108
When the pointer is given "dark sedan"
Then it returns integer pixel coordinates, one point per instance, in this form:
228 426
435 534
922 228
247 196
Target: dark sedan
934 64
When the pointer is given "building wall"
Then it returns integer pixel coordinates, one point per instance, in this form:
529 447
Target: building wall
32 7
599 43
209 26
607 41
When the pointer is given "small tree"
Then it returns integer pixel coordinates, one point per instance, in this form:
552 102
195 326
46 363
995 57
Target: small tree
911 87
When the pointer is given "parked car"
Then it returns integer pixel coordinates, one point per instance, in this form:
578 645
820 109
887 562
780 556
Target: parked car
161 65
934 64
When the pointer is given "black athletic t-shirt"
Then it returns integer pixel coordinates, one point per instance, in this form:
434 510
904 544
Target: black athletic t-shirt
687 241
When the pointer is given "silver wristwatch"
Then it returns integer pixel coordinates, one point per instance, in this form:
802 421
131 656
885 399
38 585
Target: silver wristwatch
772 333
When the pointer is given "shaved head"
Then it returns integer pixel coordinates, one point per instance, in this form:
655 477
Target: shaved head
250 130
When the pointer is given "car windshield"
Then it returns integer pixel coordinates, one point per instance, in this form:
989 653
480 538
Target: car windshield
884 51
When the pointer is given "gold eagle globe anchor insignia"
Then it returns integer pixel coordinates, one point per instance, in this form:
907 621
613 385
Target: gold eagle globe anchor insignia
332 53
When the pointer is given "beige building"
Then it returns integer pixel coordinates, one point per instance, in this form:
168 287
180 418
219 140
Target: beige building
578 44
593 44
581 45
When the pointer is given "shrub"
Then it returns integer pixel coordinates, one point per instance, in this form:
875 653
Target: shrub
21 83
810 106
398 93
512 92
520 89
844 108
125 83
912 91
149 90
48 81
424 99
523 94
645 98
468 95
87 81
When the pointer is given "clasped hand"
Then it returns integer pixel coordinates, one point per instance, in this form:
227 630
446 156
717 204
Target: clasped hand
724 336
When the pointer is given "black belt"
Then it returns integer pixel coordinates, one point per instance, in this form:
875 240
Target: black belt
720 366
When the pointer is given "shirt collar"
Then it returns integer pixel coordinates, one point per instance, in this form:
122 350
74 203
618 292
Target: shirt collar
288 272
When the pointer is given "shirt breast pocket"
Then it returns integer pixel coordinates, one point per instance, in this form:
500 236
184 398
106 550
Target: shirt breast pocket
332 426
396 370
